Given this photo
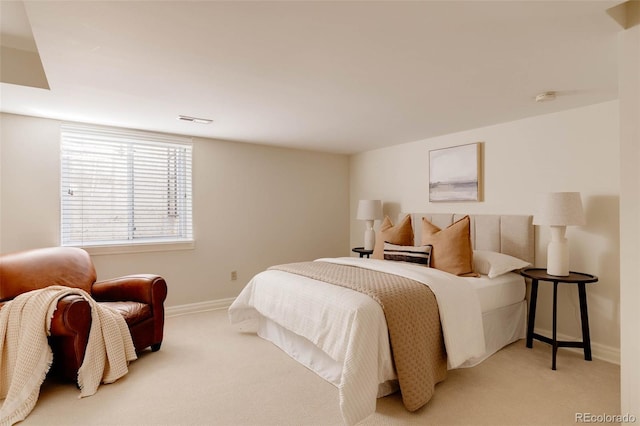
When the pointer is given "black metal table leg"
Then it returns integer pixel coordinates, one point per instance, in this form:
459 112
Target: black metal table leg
555 323
532 312
584 319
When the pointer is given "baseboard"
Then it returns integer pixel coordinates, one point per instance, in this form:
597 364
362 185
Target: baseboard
192 308
599 351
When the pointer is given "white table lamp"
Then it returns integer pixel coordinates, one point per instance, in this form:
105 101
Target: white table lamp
369 210
559 210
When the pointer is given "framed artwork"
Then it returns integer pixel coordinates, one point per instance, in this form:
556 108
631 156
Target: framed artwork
455 173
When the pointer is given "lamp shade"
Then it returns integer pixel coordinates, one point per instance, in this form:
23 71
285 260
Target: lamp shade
560 209
369 210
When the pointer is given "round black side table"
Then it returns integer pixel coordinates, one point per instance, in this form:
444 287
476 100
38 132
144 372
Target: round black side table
362 252
578 278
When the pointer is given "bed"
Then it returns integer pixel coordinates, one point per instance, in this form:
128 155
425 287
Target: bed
342 334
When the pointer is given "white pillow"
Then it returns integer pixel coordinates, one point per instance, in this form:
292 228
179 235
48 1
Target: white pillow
494 264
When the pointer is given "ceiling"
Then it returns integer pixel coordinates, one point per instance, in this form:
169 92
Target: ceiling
337 76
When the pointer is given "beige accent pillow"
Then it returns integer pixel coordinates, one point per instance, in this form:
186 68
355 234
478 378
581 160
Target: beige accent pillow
401 234
452 251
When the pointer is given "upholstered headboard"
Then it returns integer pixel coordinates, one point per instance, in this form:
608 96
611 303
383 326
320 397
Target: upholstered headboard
508 234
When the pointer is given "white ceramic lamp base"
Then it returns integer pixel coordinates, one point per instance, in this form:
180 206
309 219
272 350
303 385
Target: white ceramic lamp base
558 253
369 236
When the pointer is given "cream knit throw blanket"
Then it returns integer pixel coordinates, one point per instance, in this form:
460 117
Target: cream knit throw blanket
25 355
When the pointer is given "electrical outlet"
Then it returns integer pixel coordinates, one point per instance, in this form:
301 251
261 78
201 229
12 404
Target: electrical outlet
234 275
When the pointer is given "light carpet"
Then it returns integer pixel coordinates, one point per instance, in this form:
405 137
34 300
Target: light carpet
209 373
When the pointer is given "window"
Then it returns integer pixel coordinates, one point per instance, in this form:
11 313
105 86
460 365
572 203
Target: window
124 187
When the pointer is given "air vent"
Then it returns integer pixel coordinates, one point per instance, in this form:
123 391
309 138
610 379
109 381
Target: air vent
546 96
195 119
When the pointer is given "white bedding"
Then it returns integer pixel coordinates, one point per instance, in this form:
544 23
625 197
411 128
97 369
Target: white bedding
350 327
494 293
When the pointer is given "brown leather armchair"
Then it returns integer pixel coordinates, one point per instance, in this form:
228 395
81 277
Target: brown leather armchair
139 298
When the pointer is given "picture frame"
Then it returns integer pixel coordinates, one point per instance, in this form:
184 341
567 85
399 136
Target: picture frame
455 173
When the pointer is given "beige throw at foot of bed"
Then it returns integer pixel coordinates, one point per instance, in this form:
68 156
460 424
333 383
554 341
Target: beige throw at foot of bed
413 320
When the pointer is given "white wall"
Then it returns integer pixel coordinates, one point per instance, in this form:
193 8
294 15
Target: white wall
629 92
575 150
254 206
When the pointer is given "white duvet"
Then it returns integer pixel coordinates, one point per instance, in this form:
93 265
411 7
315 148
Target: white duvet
350 327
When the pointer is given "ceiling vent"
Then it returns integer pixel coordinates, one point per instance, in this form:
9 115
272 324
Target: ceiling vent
546 96
195 119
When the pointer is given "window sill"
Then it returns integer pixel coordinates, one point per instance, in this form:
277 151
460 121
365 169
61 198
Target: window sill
139 248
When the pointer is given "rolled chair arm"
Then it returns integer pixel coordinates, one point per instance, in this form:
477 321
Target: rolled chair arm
70 317
144 288
70 327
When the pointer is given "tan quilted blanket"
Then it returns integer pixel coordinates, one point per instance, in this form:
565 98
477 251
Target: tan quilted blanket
412 318
25 355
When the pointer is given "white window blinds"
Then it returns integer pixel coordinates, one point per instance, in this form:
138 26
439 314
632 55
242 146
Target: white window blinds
124 187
